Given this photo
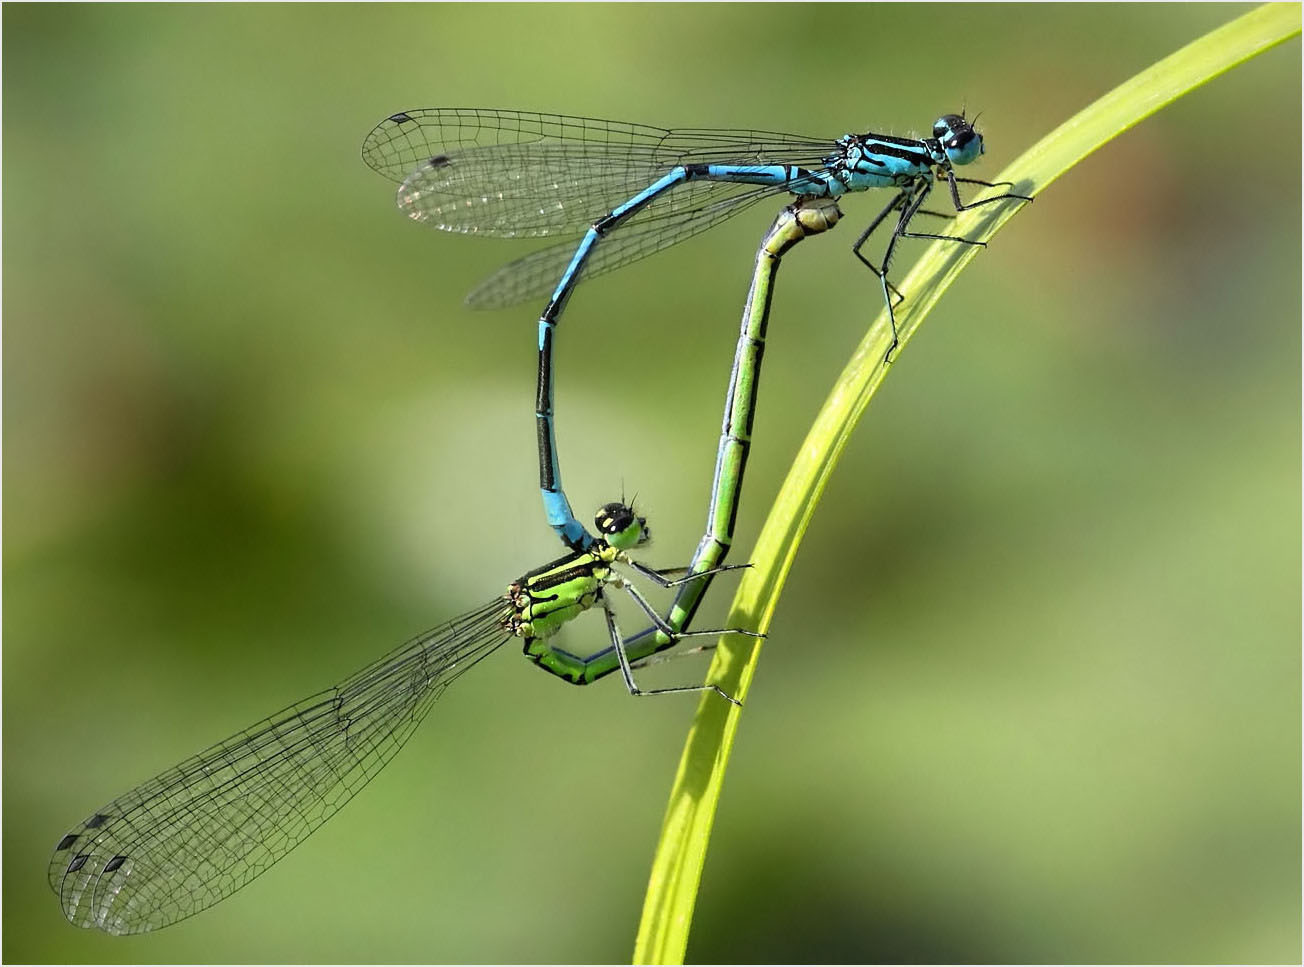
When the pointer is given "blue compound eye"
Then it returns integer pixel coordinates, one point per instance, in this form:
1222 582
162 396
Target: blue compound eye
959 140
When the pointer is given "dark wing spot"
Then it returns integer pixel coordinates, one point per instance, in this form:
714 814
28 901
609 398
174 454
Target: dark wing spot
438 161
400 118
78 862
114 863
99 819
66 842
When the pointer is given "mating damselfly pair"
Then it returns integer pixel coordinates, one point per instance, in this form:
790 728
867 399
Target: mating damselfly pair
614 192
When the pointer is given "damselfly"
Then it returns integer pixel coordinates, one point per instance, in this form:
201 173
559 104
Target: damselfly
519 174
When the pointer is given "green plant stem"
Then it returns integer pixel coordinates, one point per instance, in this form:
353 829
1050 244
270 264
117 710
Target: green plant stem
681 851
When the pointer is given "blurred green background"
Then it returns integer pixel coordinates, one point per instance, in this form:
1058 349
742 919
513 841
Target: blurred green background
1033 691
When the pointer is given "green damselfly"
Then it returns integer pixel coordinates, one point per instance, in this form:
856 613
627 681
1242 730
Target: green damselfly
198 832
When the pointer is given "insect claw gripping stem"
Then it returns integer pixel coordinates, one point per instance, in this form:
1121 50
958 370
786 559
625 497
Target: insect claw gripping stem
627 671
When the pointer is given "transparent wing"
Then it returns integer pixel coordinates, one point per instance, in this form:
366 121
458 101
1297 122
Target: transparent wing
200 831
515 174
536 275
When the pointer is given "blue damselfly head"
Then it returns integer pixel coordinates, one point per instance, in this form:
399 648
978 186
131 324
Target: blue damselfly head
958 138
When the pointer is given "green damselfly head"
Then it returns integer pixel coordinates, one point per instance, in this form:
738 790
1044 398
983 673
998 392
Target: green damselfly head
620 526
958 138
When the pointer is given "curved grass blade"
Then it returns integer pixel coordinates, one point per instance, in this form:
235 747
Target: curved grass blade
686 829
